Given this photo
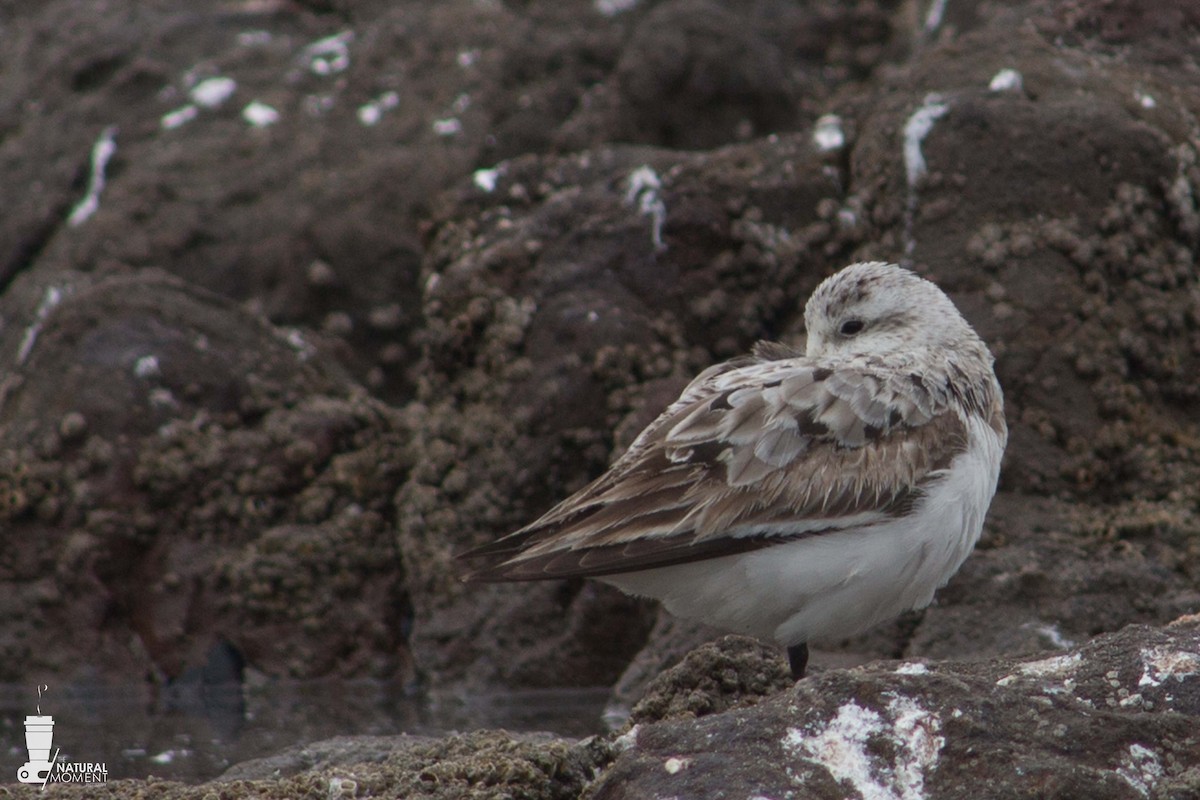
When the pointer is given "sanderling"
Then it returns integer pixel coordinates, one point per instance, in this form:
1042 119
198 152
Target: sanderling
792 496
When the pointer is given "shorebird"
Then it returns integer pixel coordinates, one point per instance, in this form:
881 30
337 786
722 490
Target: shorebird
793 496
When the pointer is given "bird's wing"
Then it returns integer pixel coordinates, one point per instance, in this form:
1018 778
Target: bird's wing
752 453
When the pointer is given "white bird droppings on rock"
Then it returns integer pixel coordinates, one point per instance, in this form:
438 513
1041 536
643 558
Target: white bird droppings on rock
843 747
676 765
1006 80
1056 667
1141 768
450 126
147 367
1160 663
912 668
330 55
644 185
933 18
52 297
916 128
102 151
371 112
212 92
303 348
179 117
486 179
919 731
627 740
828 134
260 115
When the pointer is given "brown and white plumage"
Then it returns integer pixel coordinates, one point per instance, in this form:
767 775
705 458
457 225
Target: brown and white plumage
792 496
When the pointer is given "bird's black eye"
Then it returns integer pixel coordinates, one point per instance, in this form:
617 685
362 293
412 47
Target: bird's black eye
851 327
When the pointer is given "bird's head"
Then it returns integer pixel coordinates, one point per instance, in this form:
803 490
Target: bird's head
873 308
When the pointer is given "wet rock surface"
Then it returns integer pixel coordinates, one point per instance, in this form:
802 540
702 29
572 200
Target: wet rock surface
1112 719
1115 718
484 764
300 300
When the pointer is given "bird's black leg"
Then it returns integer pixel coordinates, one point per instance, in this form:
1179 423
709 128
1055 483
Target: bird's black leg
798 659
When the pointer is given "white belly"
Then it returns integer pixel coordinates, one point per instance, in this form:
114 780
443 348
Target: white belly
838 584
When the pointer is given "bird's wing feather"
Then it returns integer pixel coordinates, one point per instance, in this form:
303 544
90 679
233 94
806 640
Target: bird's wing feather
752 453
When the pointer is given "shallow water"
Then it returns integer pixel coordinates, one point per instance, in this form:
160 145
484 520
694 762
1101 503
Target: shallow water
198 735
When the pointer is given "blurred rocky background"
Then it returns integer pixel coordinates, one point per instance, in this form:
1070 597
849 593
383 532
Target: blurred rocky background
300 299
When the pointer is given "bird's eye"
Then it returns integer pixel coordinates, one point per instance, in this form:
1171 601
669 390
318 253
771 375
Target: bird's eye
851 327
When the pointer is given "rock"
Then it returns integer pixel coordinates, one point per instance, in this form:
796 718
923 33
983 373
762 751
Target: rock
488 765
1114 718
366 129
668 642
340 751
375 108
731 672
227 483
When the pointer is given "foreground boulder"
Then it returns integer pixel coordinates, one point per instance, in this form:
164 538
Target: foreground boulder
1113 719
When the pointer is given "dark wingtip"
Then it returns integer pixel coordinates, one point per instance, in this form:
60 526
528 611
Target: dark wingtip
480 573
487 559
496 562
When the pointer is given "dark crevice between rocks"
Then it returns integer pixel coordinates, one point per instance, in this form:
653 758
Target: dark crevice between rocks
25 254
